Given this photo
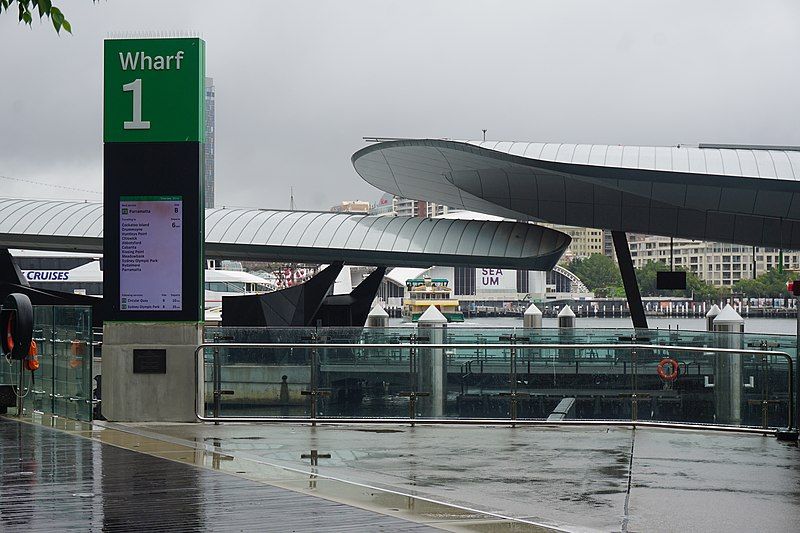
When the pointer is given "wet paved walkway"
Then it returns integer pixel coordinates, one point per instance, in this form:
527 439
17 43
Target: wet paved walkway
251 477
55 481
576 478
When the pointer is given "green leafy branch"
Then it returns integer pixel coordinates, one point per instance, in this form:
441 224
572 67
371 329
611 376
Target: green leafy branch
27 9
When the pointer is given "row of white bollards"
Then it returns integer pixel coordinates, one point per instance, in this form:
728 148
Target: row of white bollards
532 318
724 320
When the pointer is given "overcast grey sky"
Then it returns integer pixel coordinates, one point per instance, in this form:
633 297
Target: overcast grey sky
300 82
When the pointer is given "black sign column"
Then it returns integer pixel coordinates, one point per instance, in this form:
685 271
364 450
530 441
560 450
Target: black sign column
153 233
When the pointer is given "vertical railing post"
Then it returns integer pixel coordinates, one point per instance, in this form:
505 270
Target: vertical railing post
412 362
314 377
53 380
634 386
765 391
315 392
796 383
216 378
512 376
513 379
413 377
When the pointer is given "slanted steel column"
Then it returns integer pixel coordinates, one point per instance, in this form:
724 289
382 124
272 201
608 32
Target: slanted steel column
629 279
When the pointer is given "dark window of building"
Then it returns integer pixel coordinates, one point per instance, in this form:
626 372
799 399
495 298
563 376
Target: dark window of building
522 281
389 289
464 282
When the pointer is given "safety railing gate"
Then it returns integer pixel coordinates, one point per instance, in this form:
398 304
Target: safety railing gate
518 383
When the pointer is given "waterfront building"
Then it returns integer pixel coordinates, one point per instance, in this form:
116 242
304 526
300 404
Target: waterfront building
352 206
404 207
585 241
720 264
495 288
209 142
384 205
485 288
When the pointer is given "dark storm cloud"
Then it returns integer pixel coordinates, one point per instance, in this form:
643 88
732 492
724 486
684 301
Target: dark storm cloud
299 83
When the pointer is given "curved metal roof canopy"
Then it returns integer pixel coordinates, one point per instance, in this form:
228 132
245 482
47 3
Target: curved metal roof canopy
304 236
744 195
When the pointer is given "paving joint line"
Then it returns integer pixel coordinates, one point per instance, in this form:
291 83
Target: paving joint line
626 516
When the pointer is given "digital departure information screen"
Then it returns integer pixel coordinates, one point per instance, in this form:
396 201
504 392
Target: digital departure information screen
150 255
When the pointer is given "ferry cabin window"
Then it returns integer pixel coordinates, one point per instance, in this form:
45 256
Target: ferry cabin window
221 286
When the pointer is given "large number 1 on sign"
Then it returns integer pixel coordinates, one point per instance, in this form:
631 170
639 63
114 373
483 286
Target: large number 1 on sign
137 123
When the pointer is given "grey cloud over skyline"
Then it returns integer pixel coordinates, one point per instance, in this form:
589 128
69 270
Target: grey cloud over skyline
299 83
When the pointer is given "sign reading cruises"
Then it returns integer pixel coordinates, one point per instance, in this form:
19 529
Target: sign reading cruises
150 262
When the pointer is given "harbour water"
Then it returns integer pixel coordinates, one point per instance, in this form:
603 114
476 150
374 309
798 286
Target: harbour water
782 326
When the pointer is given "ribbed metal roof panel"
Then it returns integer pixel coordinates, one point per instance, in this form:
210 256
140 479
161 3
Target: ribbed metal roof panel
716 161
720 192
304 236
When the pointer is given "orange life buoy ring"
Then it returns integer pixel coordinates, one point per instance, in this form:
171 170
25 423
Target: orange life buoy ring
10 334
673 375
77 347
32 361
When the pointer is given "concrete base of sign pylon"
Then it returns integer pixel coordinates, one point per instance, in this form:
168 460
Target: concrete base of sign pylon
141 393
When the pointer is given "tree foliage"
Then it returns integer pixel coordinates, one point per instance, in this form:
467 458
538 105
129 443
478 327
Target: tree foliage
695 287
601 275
598 272
27 9
770 284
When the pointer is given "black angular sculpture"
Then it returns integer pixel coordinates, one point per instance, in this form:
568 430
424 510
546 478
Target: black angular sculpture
351 309
294 306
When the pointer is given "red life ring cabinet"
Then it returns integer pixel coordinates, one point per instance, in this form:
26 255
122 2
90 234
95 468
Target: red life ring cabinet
674 371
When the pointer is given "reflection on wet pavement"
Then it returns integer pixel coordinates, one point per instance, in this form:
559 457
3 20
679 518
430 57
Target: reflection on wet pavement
94 478
453 478
572 477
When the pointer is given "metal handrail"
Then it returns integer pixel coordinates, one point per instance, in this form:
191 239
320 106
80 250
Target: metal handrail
492 421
